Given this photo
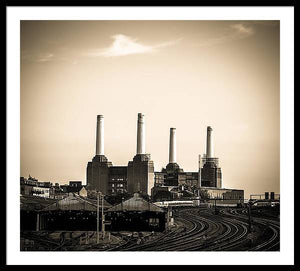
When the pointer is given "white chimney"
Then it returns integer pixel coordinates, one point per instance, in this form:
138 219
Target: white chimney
172 148
140 147
209 143
100 135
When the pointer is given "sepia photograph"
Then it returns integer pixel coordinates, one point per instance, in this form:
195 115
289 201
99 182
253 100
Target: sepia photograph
196 99
150 135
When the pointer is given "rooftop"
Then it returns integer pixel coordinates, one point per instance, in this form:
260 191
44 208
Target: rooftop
136 203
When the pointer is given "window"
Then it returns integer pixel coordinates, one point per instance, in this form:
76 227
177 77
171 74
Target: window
154 221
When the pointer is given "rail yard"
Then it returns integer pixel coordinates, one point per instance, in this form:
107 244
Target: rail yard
194 229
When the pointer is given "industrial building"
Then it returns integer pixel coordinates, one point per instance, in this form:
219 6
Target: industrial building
173 175
172 183
208 175
139 176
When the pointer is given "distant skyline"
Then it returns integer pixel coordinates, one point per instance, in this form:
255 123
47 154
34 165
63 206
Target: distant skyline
183 74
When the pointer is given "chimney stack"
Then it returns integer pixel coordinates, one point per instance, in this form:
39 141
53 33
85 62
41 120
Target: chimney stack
100 135
140 147
172 149
209 143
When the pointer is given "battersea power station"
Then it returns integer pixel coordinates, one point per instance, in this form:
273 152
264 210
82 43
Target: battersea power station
139 175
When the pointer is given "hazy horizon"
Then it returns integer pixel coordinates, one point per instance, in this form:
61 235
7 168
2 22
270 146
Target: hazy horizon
182 74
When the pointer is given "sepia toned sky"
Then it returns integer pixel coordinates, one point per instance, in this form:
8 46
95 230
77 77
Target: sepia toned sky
183 74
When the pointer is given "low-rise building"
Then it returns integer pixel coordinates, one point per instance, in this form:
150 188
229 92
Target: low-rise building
43 192
224 195
26 186
70 213
75 183
136 214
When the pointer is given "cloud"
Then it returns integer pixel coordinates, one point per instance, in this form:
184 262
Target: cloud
37 57
47 57
232 32
121 46
242 30
125 45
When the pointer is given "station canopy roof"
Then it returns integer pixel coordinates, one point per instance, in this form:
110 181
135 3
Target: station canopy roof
32 203
75 203
136 203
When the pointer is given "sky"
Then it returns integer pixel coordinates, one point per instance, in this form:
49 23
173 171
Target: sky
182 74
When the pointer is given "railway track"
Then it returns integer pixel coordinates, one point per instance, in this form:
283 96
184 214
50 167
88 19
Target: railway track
44 242
272 243
203 233
178 234
40 239
66 243
231 237
208 232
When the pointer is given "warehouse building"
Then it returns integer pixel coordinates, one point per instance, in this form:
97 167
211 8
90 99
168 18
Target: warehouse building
71 213
136 214
30 207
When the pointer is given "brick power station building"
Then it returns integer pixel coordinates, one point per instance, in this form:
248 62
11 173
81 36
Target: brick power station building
139 175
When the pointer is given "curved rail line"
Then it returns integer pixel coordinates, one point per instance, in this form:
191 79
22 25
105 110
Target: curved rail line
209 232
273 242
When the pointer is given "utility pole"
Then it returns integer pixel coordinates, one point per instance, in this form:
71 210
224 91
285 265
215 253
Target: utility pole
249 216
168 218
37 221
103 218
97 217
215 206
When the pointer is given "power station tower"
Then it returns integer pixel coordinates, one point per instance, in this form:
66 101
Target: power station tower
210 174
172 168
98 170
140 171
